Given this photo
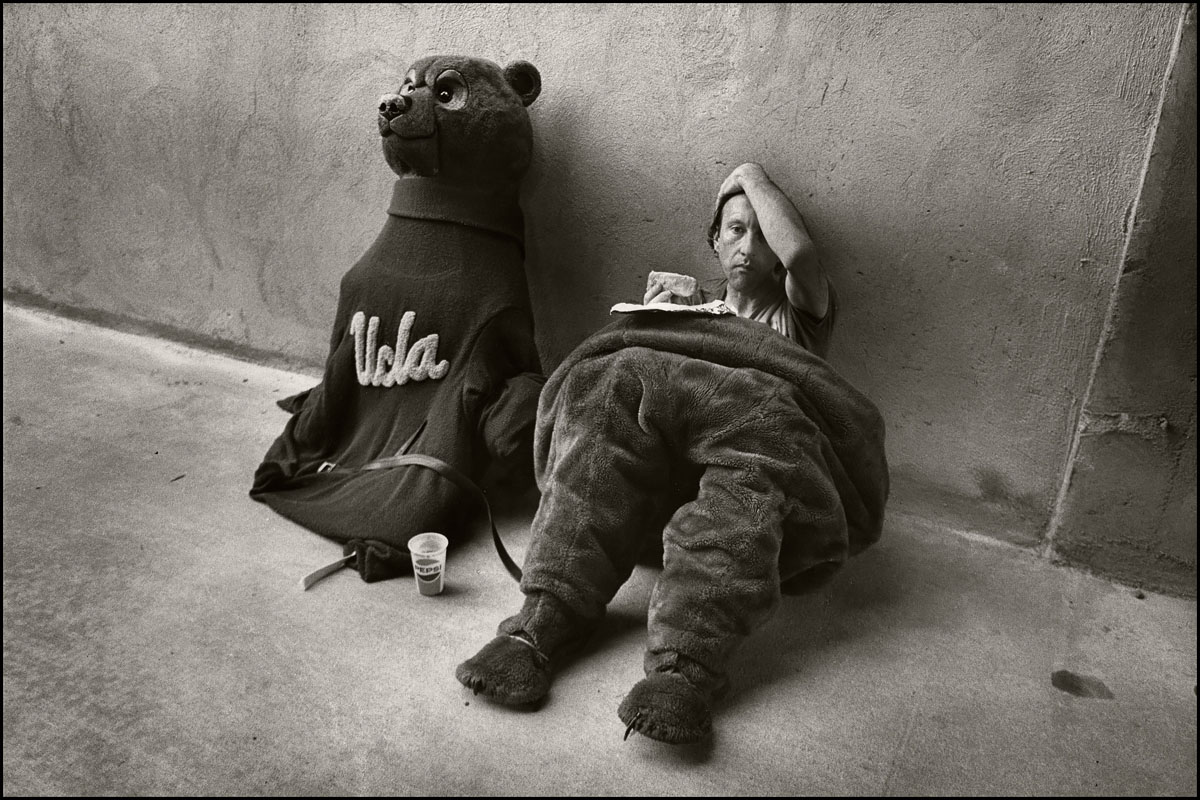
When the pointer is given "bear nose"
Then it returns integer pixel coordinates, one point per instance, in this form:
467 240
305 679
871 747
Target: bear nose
393 105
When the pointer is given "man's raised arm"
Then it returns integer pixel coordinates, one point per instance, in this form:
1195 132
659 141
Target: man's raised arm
784 229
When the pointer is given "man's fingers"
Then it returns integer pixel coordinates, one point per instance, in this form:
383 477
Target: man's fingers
731 185
661 297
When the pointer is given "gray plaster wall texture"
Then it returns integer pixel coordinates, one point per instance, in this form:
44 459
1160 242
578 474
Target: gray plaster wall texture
967 171
1129 505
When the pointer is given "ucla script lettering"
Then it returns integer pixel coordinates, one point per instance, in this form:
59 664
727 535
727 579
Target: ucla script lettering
384 366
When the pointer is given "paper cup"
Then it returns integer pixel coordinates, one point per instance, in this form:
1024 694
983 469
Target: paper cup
428 552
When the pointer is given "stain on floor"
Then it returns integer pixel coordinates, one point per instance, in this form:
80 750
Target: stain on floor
1080 685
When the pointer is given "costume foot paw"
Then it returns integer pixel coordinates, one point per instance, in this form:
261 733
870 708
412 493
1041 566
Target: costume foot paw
666 707
508 670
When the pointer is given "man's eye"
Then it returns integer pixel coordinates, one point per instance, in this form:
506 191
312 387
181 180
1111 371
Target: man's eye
444 95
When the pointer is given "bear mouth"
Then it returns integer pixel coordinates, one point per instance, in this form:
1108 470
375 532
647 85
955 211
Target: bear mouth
396 127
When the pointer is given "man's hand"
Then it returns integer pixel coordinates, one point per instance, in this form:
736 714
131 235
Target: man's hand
671 287
736 182
655 293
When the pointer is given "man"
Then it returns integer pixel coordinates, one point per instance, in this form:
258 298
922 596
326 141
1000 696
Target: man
722 463
772 269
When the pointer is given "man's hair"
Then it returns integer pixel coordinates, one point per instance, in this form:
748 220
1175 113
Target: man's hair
714 227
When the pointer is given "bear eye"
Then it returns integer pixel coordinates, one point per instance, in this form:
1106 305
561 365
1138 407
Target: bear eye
450 89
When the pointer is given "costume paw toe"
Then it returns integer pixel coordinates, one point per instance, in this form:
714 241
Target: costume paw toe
666 708
506 670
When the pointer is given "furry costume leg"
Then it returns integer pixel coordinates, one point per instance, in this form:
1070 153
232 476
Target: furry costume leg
720 581
605 493
720 578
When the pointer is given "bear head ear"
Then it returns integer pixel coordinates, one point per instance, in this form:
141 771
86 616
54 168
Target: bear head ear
525 80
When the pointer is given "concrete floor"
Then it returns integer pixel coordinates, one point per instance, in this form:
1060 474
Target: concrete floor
156 640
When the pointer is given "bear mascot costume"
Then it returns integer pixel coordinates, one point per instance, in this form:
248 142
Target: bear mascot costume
432 378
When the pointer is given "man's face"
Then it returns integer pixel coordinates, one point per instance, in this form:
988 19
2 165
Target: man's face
748 261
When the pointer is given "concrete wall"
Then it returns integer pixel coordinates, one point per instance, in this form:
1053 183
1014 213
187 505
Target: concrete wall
967 170
1129 507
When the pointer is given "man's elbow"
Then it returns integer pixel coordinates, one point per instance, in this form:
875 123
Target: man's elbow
808 288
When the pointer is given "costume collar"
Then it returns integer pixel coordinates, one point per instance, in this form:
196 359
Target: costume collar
490 208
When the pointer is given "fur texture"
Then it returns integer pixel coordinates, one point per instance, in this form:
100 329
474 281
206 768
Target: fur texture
507 670
665 707
447 106
751 460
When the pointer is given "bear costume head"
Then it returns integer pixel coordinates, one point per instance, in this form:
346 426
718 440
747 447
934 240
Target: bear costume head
460 119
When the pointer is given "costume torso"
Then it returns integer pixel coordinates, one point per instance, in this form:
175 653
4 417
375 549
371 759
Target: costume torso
432 324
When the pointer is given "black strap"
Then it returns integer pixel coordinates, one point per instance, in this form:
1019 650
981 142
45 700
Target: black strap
461 481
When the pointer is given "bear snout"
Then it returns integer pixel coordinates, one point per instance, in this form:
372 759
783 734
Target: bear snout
393 105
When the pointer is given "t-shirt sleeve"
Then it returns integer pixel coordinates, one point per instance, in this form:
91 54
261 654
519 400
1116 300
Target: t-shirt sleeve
814 333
